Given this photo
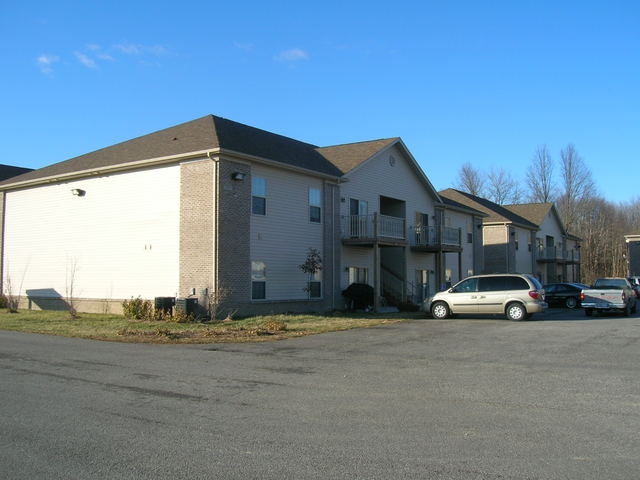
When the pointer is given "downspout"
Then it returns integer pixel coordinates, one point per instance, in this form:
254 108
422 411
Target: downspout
2 244
333 246
216 205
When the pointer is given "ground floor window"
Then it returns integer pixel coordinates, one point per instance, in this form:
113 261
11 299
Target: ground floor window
258 281
358 275
315 285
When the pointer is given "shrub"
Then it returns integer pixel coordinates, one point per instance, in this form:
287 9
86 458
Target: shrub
180 316
138 309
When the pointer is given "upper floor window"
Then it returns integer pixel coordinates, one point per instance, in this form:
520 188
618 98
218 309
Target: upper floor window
315 201
258 196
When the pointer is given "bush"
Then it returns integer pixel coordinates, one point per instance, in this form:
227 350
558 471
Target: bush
137 309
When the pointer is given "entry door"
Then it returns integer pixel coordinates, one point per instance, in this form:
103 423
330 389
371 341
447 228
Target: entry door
422 228
358 211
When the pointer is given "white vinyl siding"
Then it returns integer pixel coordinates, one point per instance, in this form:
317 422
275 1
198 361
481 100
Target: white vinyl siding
122 236
282 238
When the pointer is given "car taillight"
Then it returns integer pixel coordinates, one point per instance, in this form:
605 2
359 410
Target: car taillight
581 296
535 294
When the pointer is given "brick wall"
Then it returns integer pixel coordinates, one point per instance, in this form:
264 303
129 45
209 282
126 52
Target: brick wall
196 227
233 217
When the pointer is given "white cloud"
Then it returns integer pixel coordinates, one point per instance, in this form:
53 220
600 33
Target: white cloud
46 62
137 49
292 55
92 54
128 48
85 60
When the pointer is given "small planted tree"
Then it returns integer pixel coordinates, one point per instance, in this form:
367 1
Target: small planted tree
311 266
13 297
70 288
216 300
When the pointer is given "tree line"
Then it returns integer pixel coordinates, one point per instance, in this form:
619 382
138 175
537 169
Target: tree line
567 182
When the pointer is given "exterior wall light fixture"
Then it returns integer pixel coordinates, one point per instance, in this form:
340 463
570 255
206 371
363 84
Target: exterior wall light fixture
78 192
237 176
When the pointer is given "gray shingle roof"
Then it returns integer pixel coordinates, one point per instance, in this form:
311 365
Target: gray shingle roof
206 133
534 212
9 171
348 156
496 213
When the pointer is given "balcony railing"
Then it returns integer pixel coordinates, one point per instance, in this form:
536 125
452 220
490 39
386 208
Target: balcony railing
373 227
556 254
361 228
436 236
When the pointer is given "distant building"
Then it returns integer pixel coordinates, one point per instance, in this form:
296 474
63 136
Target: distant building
633 254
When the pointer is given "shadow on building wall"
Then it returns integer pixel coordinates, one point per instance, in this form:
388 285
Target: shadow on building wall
46 299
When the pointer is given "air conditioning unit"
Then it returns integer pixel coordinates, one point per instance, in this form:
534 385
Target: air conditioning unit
187 305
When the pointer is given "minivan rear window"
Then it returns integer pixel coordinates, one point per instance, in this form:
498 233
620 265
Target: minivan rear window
517 283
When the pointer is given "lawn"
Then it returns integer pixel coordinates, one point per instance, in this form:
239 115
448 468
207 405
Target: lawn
117 328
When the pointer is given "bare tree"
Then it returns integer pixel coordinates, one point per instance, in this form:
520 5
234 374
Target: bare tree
470 180
502 187
578 185
13 297
542 188
216 300
70 287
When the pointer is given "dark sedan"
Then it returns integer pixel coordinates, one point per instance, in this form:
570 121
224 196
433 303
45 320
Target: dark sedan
563 294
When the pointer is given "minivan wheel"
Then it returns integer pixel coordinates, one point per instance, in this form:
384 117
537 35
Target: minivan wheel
516 312
440 310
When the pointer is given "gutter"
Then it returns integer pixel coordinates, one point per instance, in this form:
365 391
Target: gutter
208 153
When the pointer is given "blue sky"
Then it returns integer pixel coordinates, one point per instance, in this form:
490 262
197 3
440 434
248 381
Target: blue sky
460 81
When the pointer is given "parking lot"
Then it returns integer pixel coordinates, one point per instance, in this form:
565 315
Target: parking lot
466 398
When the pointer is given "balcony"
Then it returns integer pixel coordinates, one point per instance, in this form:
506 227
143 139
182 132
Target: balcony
373 229
557 255
436 239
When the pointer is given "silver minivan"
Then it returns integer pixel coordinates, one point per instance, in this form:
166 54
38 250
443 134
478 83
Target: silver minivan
514 295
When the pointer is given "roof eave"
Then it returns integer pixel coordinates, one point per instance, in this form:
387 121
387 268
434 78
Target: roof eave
92 172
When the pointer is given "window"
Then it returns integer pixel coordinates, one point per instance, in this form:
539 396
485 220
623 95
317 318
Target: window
468 285
358 275
315 285
315 209
501 283
258 281
258 196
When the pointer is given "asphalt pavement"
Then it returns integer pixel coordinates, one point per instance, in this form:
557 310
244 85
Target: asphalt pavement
556 397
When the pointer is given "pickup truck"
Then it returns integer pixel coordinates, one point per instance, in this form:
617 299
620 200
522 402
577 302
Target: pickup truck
609 294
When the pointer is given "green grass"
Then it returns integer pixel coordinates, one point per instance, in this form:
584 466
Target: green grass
111 327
